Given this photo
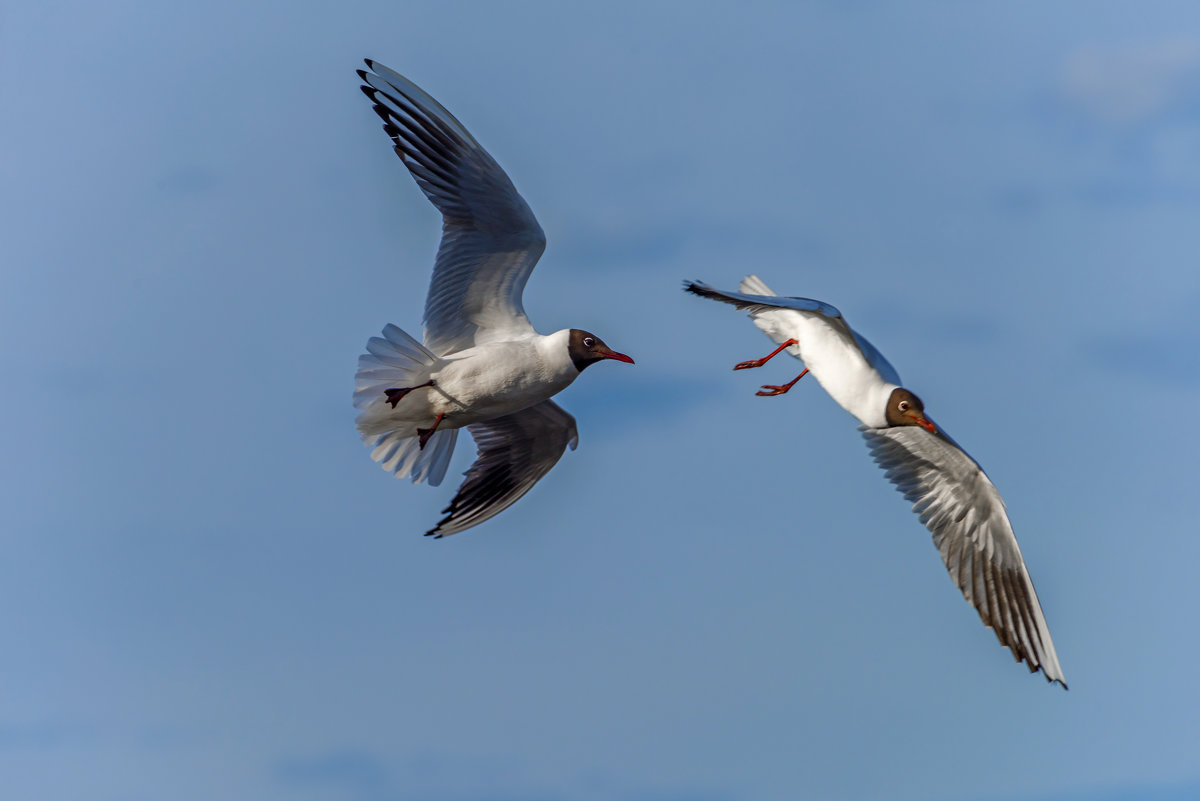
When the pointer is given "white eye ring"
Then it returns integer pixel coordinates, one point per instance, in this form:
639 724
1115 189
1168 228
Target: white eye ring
588 342
904 406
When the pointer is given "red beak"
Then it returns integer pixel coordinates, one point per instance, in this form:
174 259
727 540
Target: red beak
621 357
925 424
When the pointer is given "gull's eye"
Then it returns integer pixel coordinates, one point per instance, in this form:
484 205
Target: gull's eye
904 406
588 342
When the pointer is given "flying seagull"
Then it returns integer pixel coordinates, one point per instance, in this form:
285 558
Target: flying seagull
949 490
481 365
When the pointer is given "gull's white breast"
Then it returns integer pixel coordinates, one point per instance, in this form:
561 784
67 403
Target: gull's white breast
835 360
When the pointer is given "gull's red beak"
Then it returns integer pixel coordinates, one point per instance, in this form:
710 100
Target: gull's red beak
921 420
620 357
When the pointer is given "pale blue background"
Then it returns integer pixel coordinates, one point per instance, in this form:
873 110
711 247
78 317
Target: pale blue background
210 592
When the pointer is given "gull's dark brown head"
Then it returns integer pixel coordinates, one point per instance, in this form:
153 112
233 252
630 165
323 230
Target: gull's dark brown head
586 348
906 409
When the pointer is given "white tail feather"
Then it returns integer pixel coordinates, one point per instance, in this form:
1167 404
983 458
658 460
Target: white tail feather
393 360
402 455
753 285
398 360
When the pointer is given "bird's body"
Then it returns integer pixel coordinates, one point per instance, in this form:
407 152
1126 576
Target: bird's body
481 366
954 498
845 364
836 361
477 384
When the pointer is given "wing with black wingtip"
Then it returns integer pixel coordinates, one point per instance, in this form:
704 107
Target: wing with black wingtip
965 513
515 451
490 238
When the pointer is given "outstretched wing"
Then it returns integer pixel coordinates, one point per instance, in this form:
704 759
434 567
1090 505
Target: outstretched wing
490 238
962 509
515 451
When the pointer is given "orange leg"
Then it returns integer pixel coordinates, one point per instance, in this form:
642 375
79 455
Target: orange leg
779 389
764 359
423 434
394 396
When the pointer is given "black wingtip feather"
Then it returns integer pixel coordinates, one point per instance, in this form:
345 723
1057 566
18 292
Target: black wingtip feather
701 289
384 113
705 291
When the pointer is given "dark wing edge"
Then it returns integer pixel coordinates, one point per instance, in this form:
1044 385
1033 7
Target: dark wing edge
964 512
514 452
460 178
759 303
489 233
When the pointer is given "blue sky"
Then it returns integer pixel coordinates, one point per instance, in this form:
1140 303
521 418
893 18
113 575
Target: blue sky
210 591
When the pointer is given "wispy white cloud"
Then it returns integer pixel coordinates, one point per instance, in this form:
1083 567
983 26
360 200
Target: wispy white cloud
1131 83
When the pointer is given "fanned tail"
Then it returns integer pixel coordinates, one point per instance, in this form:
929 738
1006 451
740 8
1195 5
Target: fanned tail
401 454
398 360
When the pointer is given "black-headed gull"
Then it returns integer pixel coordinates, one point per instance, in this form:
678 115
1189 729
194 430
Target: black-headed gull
949 490
481 366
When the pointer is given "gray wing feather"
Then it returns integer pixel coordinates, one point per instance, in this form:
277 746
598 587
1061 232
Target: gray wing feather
515 451
965 513
490 238
753 303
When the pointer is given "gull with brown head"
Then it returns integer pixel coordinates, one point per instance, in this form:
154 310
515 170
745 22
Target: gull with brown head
954 498
481 365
